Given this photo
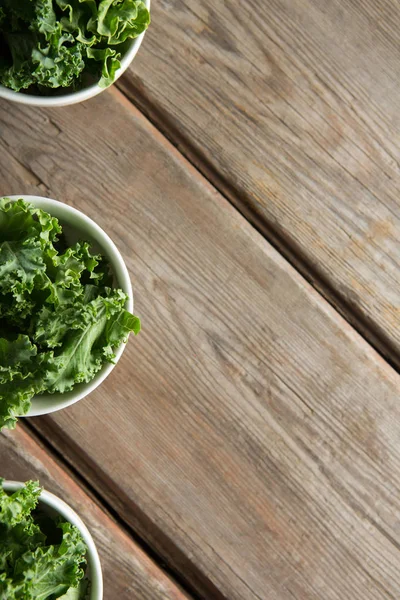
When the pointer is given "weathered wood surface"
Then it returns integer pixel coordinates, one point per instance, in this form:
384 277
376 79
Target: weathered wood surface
248 434
128 572
292 108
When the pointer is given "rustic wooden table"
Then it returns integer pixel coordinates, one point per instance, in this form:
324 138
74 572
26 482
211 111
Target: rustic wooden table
247 446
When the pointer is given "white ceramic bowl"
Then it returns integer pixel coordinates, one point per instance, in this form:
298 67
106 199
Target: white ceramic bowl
77 226
49 503
79 96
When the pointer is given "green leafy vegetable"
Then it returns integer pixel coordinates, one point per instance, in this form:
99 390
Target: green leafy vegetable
60 318
40 558
52 43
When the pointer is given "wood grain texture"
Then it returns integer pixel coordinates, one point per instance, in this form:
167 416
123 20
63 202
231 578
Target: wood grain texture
292 108
128 572
248 434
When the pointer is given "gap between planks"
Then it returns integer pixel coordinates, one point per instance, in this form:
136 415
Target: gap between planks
293 253
90 490
106 507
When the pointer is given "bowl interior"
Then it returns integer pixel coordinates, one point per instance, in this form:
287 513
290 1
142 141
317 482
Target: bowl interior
89 89
77 226
53 505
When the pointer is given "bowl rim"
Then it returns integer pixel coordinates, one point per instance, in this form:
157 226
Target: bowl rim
42 405
81 95
68 513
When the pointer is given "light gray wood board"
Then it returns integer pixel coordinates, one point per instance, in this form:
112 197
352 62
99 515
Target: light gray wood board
248 434
292 108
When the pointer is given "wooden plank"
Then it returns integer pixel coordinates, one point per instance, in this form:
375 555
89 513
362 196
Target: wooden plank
291 108
128 572
248 434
